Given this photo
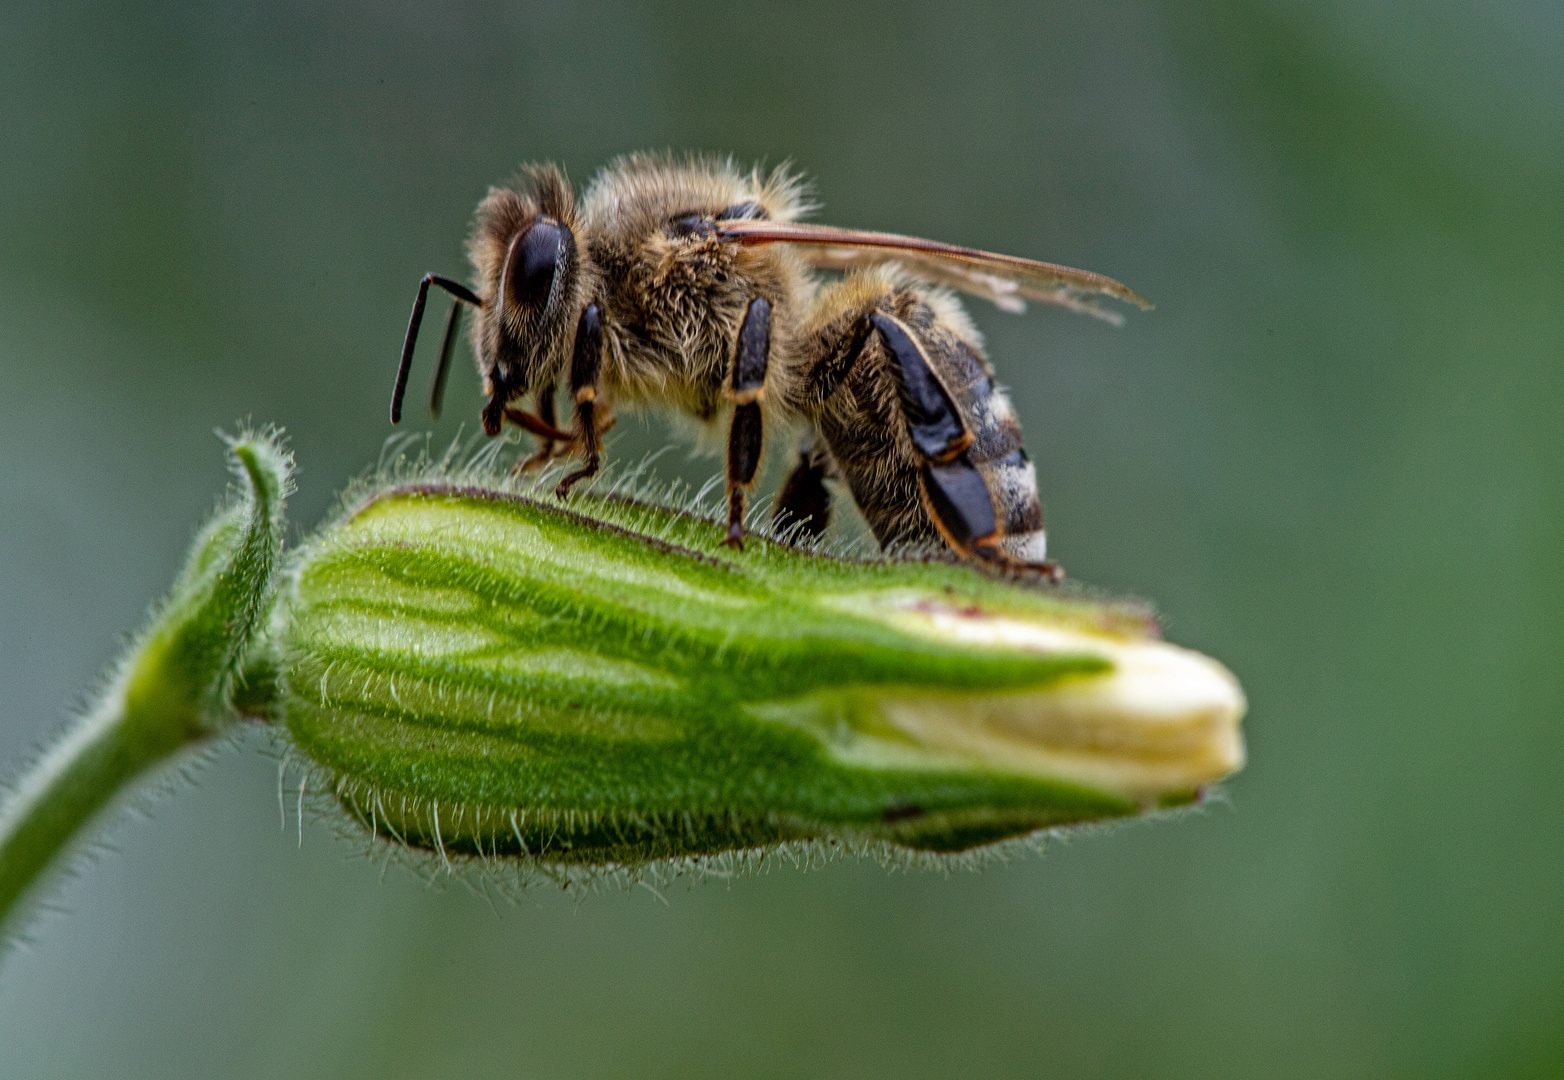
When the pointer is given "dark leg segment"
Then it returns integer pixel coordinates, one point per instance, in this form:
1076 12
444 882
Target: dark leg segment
586 368
447 347
804 501
456 289
828 376
744 441
959 503
932 420
750 359
753 353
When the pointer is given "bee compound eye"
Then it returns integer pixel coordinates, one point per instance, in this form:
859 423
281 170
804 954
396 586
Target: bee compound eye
535 258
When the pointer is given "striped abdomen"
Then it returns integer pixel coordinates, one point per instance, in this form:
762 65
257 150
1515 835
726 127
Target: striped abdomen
929 447
997 452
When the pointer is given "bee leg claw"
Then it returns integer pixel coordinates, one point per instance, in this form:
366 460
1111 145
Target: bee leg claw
562 489
735 537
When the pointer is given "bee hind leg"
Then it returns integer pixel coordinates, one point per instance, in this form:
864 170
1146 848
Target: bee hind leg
1001 560
751 357
1023 552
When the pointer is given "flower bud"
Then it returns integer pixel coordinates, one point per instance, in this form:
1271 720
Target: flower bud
482 673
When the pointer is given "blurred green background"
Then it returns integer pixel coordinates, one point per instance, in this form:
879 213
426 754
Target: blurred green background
1333 455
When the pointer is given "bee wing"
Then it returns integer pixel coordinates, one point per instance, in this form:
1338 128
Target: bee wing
1004 280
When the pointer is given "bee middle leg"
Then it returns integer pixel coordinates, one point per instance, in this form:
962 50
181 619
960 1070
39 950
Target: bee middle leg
751 357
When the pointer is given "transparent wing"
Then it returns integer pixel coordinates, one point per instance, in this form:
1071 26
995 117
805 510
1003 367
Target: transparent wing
1004 280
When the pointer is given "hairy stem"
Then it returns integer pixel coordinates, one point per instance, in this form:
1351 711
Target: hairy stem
173 688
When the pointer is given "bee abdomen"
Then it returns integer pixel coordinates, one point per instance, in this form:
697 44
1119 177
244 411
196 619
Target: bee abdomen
1007 469
984 407
1013 482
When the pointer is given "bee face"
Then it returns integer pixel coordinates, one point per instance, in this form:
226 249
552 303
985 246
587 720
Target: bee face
530 273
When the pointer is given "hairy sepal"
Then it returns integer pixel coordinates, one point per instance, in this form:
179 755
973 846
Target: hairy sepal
175 686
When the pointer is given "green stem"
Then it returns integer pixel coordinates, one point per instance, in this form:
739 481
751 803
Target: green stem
108 748
173 689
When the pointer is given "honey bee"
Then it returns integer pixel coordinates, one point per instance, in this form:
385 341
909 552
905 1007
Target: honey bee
691 284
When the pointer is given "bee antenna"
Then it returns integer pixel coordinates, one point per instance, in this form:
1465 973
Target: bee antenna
463 295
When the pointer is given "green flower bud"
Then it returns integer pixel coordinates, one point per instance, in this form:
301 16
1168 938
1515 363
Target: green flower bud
483 673
175 685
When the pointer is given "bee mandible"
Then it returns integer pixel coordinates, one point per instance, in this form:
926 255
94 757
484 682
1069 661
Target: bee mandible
691 284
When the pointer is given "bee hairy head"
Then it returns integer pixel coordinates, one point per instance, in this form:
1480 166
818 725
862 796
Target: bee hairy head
531 274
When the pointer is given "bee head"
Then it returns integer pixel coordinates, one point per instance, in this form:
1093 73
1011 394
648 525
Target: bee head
530 280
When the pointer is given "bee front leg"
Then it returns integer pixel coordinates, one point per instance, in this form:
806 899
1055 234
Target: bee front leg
586 369
751 357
